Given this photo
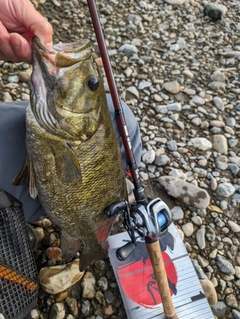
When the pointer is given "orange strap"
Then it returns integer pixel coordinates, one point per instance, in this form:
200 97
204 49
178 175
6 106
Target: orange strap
9 274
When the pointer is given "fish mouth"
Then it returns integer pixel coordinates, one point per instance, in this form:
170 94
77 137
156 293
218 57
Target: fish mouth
63 54
61 99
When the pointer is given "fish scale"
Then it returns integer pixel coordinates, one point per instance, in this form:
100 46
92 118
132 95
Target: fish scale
74 158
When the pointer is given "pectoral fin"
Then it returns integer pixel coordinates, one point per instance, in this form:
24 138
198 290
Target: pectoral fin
67 163
27 175
23 176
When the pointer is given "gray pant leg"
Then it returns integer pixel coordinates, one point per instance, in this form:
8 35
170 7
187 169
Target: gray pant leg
133 131
13 150
13 155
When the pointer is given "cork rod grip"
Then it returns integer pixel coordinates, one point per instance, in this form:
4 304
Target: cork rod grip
155 255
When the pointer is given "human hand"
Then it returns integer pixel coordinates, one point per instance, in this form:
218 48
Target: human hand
19 22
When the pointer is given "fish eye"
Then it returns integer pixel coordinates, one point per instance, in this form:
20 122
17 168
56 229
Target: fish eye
93 83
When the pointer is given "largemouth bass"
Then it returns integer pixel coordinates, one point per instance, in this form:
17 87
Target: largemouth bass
74 160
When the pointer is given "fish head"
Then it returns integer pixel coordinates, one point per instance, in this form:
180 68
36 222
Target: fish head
67 92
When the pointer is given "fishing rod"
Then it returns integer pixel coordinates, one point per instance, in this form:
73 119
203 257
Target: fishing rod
138 189
149 219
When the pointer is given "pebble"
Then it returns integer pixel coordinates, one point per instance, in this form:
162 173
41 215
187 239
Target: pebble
209 291
171 87
225 266
88 284
24 76
103 283
225 189
85 308
109 297
188 229
13 78
220 310
197 100
72 306
107 310
34 314
128 48
220 144
231 301
54 253
161 160
217 101
177 213
57 311
234 226
200 237
185 192
236 314
58 278
175 2
184 91
201 143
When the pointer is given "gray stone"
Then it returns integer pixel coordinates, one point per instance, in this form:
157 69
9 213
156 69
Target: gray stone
176 2
217 86
161 160
128 48
225 189
218 103
171 87
218 76
177 213
220 310
197 220
198 100
149 157
172 145
236 314
144 84
185 192
133 91
234 226
13 78
85 307
188 229
220 144
201 143
199 270
225 266
233 168
200 237
174 107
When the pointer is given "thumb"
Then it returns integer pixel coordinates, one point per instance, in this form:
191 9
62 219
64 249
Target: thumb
37 25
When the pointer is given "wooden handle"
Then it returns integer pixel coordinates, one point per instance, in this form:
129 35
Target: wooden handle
155 255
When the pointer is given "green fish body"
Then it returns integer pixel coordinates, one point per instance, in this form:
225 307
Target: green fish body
74 159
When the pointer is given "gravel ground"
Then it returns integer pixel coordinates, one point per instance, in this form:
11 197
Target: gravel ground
179 72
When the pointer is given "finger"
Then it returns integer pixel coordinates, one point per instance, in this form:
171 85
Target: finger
44 34
21 47
7 52
38 25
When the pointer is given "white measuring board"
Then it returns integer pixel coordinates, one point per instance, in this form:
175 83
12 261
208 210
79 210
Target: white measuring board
139 288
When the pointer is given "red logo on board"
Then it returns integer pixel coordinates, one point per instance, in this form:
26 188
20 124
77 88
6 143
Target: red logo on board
139 284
